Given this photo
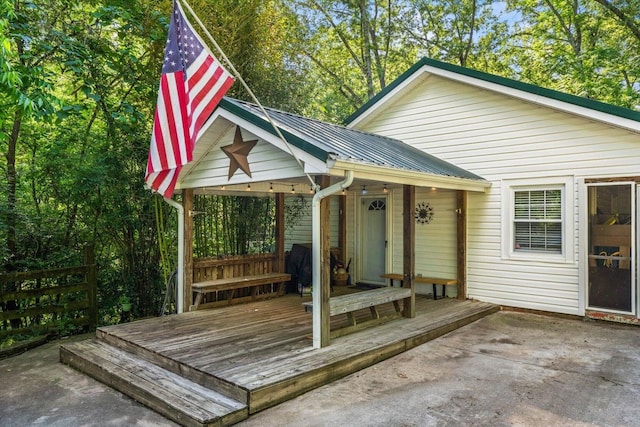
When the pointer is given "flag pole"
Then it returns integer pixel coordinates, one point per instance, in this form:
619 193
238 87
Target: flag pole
244 84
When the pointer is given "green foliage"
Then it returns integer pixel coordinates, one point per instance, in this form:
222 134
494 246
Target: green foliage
354 49
78 174
575 47
233 225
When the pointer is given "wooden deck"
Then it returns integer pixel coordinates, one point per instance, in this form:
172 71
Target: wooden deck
257 354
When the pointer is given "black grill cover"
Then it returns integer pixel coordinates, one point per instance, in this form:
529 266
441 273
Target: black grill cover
299 266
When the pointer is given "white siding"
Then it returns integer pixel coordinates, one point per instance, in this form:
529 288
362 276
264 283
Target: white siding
436 245
498 137
266 162
301 232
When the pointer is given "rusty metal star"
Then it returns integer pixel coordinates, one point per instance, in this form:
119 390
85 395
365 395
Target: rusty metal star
238 152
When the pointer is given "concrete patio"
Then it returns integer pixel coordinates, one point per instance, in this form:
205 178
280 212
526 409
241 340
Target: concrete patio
506 369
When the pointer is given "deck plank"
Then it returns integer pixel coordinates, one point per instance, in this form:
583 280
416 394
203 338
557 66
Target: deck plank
171 395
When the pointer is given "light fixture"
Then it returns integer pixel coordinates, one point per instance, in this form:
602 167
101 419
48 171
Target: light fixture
248 187
344 191
293 190
271 187
385 189
311 189
222 188
364 190
433 188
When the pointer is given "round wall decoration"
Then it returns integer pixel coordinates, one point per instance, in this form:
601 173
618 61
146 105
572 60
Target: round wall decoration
424 213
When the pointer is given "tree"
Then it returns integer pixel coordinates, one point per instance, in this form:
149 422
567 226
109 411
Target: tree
627 12
354 48
256 36
26 94
575 47
450 30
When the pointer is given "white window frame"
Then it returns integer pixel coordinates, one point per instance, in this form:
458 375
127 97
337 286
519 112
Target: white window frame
566 186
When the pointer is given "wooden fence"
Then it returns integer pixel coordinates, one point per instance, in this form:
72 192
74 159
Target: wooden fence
45 300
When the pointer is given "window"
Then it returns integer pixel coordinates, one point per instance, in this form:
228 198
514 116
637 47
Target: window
377 205
538 217
538 220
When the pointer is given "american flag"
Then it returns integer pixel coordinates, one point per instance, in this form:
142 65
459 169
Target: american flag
192 84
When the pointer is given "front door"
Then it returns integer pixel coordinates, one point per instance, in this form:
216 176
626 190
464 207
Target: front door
611 272
374 239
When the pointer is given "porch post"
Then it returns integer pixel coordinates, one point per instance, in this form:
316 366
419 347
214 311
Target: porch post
321 281
461 209
342 227
187 203
279 262
325 254
408 249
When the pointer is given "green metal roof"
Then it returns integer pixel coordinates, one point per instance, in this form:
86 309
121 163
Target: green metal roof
326 141
514 84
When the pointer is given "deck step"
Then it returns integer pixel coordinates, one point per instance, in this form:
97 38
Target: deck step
173 396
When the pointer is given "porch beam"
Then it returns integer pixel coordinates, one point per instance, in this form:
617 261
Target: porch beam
187 203
461 225
408 250
407 177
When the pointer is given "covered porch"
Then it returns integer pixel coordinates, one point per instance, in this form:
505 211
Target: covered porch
218 366
240 154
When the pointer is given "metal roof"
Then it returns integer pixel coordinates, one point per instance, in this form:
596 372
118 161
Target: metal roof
327 141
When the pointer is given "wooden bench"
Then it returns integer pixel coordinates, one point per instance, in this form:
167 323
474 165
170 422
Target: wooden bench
420 279
347 304
230 284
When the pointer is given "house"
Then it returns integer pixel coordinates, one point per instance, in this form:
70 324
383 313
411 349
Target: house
556 231
524 196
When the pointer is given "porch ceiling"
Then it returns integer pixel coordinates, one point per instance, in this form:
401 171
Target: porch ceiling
323 149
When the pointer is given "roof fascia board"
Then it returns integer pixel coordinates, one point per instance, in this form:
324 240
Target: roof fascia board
265 125
596 110
405 177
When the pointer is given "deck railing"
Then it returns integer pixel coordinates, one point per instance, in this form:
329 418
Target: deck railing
232 266
38 302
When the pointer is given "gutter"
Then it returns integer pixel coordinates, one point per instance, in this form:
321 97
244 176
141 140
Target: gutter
409 177
315 251
180 274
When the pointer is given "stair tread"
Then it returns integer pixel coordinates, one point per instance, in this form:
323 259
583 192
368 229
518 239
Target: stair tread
202 404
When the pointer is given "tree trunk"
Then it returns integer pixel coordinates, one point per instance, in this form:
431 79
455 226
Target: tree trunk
11 191
11 212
